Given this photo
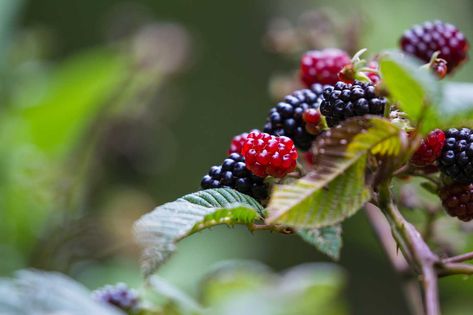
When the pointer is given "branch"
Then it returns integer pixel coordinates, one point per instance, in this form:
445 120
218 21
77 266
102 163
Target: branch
269 227
382 230
459 258
414 248
449 269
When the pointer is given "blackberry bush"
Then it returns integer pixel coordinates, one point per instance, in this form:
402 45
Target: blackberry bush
287 117
344 100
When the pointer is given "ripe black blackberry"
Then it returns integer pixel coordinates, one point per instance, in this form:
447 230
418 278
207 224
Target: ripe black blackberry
118 295
456 160
234 174
285 119
345 100
457 199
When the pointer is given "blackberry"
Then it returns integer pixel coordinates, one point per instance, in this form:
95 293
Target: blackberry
286 118
118 295
456 160
233 173
344 100
457 200
323 66
422 41
237 142
269 155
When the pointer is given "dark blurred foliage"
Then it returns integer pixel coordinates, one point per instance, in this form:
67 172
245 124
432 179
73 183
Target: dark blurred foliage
220 64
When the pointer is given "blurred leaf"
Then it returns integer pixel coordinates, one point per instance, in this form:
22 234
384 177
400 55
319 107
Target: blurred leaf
159 230
179 302
328 239
456 108
229 279
307 289
77 91
336 188
413 88
45 293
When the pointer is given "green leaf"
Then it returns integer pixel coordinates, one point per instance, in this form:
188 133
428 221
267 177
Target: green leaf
456 108
179 301
159 230
303 290
416 90
336 188
328 239
227 279
35 292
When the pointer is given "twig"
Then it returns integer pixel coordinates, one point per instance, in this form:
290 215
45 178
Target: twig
269 227
414 248
449 269
459 258
382 230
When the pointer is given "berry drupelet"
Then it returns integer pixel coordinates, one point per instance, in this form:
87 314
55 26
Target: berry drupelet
429 149
118 295
457 199
237 142
233 173
323 66
456 160
287 117
344 100
422 41
269 155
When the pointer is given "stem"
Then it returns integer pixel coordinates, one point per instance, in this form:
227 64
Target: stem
459 258
414 248
269 227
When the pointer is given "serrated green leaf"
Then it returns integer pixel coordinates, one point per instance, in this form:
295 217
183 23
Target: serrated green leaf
416 90
336 188
328 239
35 292
160 230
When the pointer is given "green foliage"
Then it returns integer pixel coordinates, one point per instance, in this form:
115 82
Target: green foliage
336 188
328 239
159 230
244 288
42 293
415 90
37 136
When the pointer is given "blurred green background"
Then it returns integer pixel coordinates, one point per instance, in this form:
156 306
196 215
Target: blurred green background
109 108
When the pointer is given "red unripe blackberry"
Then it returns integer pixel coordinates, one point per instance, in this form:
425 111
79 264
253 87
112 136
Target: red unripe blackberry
323 66
422 41
287 117
344 100
269 155
456 159
373 76
237 142
429 149
233 173
118 295
457 199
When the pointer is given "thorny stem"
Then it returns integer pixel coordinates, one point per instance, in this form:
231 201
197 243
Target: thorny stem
415 250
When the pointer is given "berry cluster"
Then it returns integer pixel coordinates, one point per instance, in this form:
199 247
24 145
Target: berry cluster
267 155
323 66
118 295
233 173
344 100
456 160
422 41
287 117
457 199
